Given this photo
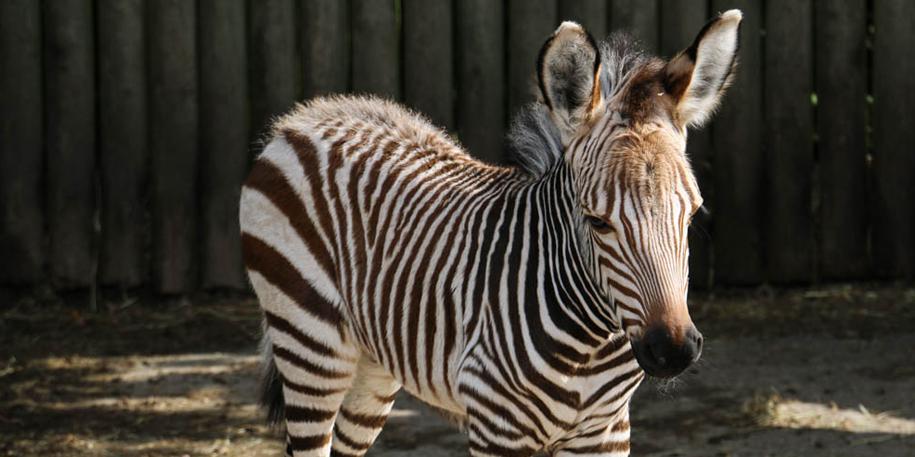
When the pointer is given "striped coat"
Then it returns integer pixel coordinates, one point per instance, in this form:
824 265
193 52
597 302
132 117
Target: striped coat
525 302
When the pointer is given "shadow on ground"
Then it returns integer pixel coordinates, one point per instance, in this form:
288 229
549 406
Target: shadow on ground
801 373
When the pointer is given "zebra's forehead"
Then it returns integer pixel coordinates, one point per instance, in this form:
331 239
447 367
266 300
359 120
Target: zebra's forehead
646 162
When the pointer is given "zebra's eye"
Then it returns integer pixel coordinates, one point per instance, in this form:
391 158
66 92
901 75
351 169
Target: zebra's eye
597 223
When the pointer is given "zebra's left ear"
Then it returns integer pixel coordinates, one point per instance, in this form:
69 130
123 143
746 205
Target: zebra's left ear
567 72
698 76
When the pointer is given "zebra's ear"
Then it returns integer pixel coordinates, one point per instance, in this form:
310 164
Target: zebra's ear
698 76
567 72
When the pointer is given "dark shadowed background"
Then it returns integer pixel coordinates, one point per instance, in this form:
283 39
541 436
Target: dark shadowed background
127 126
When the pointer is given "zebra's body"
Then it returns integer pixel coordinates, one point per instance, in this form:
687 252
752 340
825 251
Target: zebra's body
385 257
486 272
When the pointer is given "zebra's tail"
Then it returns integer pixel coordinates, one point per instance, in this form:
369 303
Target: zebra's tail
271 388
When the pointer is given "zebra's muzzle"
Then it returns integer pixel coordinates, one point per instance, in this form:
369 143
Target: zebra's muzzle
662 357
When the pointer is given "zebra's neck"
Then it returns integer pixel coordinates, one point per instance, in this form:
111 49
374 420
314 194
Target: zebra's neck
546 280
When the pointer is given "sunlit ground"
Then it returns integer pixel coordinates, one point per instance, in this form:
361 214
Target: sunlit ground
181 379
805 415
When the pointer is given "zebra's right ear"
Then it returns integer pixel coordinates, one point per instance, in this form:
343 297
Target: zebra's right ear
567 72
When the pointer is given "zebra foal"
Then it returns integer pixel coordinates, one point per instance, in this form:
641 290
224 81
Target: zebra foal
529 301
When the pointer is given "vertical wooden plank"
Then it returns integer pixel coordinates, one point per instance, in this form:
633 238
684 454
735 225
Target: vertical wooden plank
841 87
530 23
481 78
681 22
739 161
325 46
894 138
639 18
21 160
122 140
275 69
173 138
428 59
376 48
69 73
223 138
592 14
789 141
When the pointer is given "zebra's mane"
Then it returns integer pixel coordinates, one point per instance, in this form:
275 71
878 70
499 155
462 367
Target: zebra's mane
534 141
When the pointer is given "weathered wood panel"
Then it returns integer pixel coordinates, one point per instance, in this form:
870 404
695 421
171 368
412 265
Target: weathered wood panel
428 59
325 47
376 48
789 141
21 164
481 78
639 18
591 14
273 61
737 134
223 138
530 23
122 141
841 87
69 74
173 127
681 21
894 138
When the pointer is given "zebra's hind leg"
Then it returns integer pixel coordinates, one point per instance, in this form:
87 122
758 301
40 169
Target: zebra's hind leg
365 409
313 390
315 359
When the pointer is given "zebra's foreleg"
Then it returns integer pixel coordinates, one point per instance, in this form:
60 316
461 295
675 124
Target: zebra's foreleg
365 409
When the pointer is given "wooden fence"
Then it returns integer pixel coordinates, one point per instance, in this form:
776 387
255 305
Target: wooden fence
126 126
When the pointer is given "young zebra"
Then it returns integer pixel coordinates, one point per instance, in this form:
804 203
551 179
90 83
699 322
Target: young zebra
527 302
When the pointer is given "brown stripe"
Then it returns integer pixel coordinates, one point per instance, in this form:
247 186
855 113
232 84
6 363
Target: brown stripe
337 453
364 420
277 270
311 167
603 448
278 323
342 437
307 414
311 391
304 443
303 364
267 179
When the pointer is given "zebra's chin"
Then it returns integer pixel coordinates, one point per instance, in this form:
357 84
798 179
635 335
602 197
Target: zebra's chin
663 357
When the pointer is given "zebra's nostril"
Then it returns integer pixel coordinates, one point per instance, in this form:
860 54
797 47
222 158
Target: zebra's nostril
693 345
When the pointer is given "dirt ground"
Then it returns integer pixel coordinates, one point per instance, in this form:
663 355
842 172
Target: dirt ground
824 372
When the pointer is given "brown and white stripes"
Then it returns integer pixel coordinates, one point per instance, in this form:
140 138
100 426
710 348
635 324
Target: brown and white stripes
526 302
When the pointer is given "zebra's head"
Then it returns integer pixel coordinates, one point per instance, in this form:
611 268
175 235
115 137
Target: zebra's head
622 119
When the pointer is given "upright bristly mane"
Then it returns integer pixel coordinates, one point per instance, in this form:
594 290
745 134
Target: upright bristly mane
534 140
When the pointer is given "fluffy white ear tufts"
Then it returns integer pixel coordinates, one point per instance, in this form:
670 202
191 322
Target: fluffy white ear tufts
698 76
567 72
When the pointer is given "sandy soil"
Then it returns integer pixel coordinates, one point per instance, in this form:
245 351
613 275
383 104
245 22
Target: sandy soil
824 372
